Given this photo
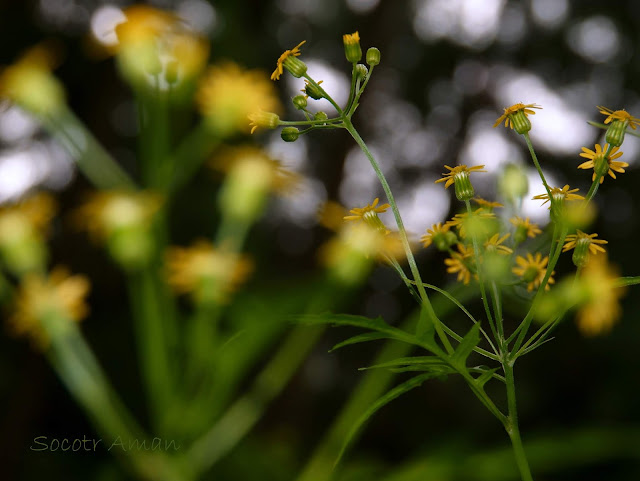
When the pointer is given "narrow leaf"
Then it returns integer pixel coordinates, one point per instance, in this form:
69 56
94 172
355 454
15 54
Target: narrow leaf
381 402
486 376
469 341
408 361
368 336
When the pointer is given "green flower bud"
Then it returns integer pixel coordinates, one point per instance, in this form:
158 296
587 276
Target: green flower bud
313 91
615 132
521 123
361 71
290 134
320 116
295 66
299 102
464 189
581 253
352 49
373 56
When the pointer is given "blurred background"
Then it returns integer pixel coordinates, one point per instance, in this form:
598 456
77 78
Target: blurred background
448 68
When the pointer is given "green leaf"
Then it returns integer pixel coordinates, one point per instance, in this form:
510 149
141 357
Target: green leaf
368 336
426 330
409 361
469 341
394 393
486 376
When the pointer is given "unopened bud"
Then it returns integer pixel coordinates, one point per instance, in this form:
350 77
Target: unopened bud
373 56
464 189
299 102
320 116
313 91
616 131
290 134
361 71
352 49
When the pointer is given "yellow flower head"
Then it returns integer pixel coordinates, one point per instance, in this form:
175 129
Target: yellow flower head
228 94
532 270
207 273
601 309
479 223
32 215
30 83
351 38
558 194
580 238
151 41
529 229
294 52
458 172
369 214
108 212
331 215
462 263
509 111
494 244
53 300
486 203
437 230
621 115
598 156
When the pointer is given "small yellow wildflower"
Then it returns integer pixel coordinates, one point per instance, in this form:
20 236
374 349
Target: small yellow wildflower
228 94
294 52
486 203
494 243
621 115
205 272
436 230
352 49
574 240
57 298
529 229
602 308
566 193
363 213
598 156
351 38
260 118
509 111
479 223
331 215
458 172
532 270
30 83
461 262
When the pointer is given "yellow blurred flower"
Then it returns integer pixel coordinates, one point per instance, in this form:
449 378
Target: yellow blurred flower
494 244
55 300
486 203
529 229
30 83
479 223
597 156
331 215
436 231
601 309
228 94
532 270
207 273
294 52
107 212
462 263
621 115
152 41
509 111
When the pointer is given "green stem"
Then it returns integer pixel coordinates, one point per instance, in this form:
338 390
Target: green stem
403 237
511 424
537 164
324 94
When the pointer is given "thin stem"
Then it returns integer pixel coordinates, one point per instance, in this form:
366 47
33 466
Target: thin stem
324 94
403 237
511 424
537 164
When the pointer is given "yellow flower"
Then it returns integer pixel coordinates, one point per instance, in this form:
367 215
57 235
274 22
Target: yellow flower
31 215
509 111
205 272
55 299
294 52
435 231
573 240
228 94
487 204
602 309
461 262
532 270
351 38
260 118
621 115
559 194
331 215
531 230
458 171
30 84
598 156
108 212
478 223
367 212
152 41
495 244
